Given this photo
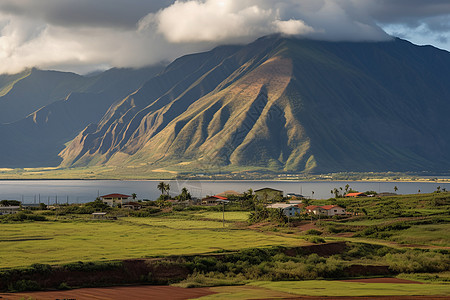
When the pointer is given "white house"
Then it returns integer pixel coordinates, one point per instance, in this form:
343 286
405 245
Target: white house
332 210
289 210
9 210
315 209
114 200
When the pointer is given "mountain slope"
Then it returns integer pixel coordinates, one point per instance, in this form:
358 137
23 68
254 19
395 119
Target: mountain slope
36 140
284 105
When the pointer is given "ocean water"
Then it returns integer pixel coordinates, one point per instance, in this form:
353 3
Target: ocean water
81 191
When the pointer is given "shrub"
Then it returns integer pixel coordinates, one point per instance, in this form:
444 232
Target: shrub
314 232
415 261
24 285
64 286
315 240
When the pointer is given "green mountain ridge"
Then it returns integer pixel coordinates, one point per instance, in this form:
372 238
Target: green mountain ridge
285 105
36 139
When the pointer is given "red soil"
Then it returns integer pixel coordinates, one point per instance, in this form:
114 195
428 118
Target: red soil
119 293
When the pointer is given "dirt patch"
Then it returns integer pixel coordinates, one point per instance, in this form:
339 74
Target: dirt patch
383 280
138 292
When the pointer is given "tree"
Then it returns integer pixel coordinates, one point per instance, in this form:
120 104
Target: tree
185 195
395 188
307 202
133 196
167 188
162 187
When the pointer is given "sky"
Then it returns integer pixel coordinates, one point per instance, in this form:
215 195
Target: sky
87 35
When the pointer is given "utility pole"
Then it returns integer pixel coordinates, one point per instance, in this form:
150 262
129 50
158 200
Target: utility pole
223 214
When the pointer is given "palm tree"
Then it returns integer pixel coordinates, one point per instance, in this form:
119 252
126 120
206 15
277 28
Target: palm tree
167 188
133 196
162 187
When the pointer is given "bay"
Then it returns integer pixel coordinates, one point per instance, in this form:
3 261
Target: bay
82 191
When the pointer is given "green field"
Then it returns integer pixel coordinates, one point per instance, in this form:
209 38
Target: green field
322 288
56 242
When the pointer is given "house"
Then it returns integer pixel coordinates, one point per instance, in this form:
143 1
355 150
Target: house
114 200
315 209
226 194
355 195
214 200
294 196
9 210
289 210
295 201
268 194
132 206
99 215
332 210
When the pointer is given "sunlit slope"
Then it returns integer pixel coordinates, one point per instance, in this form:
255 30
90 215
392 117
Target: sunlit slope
284 105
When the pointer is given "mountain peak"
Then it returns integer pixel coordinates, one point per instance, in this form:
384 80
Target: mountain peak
282 104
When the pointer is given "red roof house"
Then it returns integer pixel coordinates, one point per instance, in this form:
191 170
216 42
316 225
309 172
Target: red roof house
356 195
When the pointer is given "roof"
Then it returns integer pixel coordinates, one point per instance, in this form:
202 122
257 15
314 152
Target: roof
328 207
216 197
9 207
267 189
280 205
311 207
116 196
354 194
230 192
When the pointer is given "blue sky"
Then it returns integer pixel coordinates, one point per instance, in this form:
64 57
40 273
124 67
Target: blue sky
86 35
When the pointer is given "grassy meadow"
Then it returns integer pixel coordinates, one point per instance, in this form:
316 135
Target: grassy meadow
406 235
58 242
321 288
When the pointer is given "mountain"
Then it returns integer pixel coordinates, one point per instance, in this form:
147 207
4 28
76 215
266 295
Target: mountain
285 105
43 110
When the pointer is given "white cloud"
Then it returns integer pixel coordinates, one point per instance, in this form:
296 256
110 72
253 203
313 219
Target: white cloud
85 34
293 27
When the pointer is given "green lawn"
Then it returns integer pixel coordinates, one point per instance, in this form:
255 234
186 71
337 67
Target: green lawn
22 244
323 288
237 216
339 288
433 234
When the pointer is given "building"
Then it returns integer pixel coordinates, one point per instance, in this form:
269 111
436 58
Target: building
226 194
333 210
132 206
114 200
289 210
269 194
315 209
9 210
294 196
326 210
214 200
355 195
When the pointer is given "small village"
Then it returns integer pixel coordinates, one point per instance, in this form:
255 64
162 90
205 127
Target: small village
110 206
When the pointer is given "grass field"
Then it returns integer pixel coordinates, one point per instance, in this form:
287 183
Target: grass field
321 288
241 216
56 242
434 234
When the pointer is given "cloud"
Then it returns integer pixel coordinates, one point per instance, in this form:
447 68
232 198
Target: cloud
82 35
